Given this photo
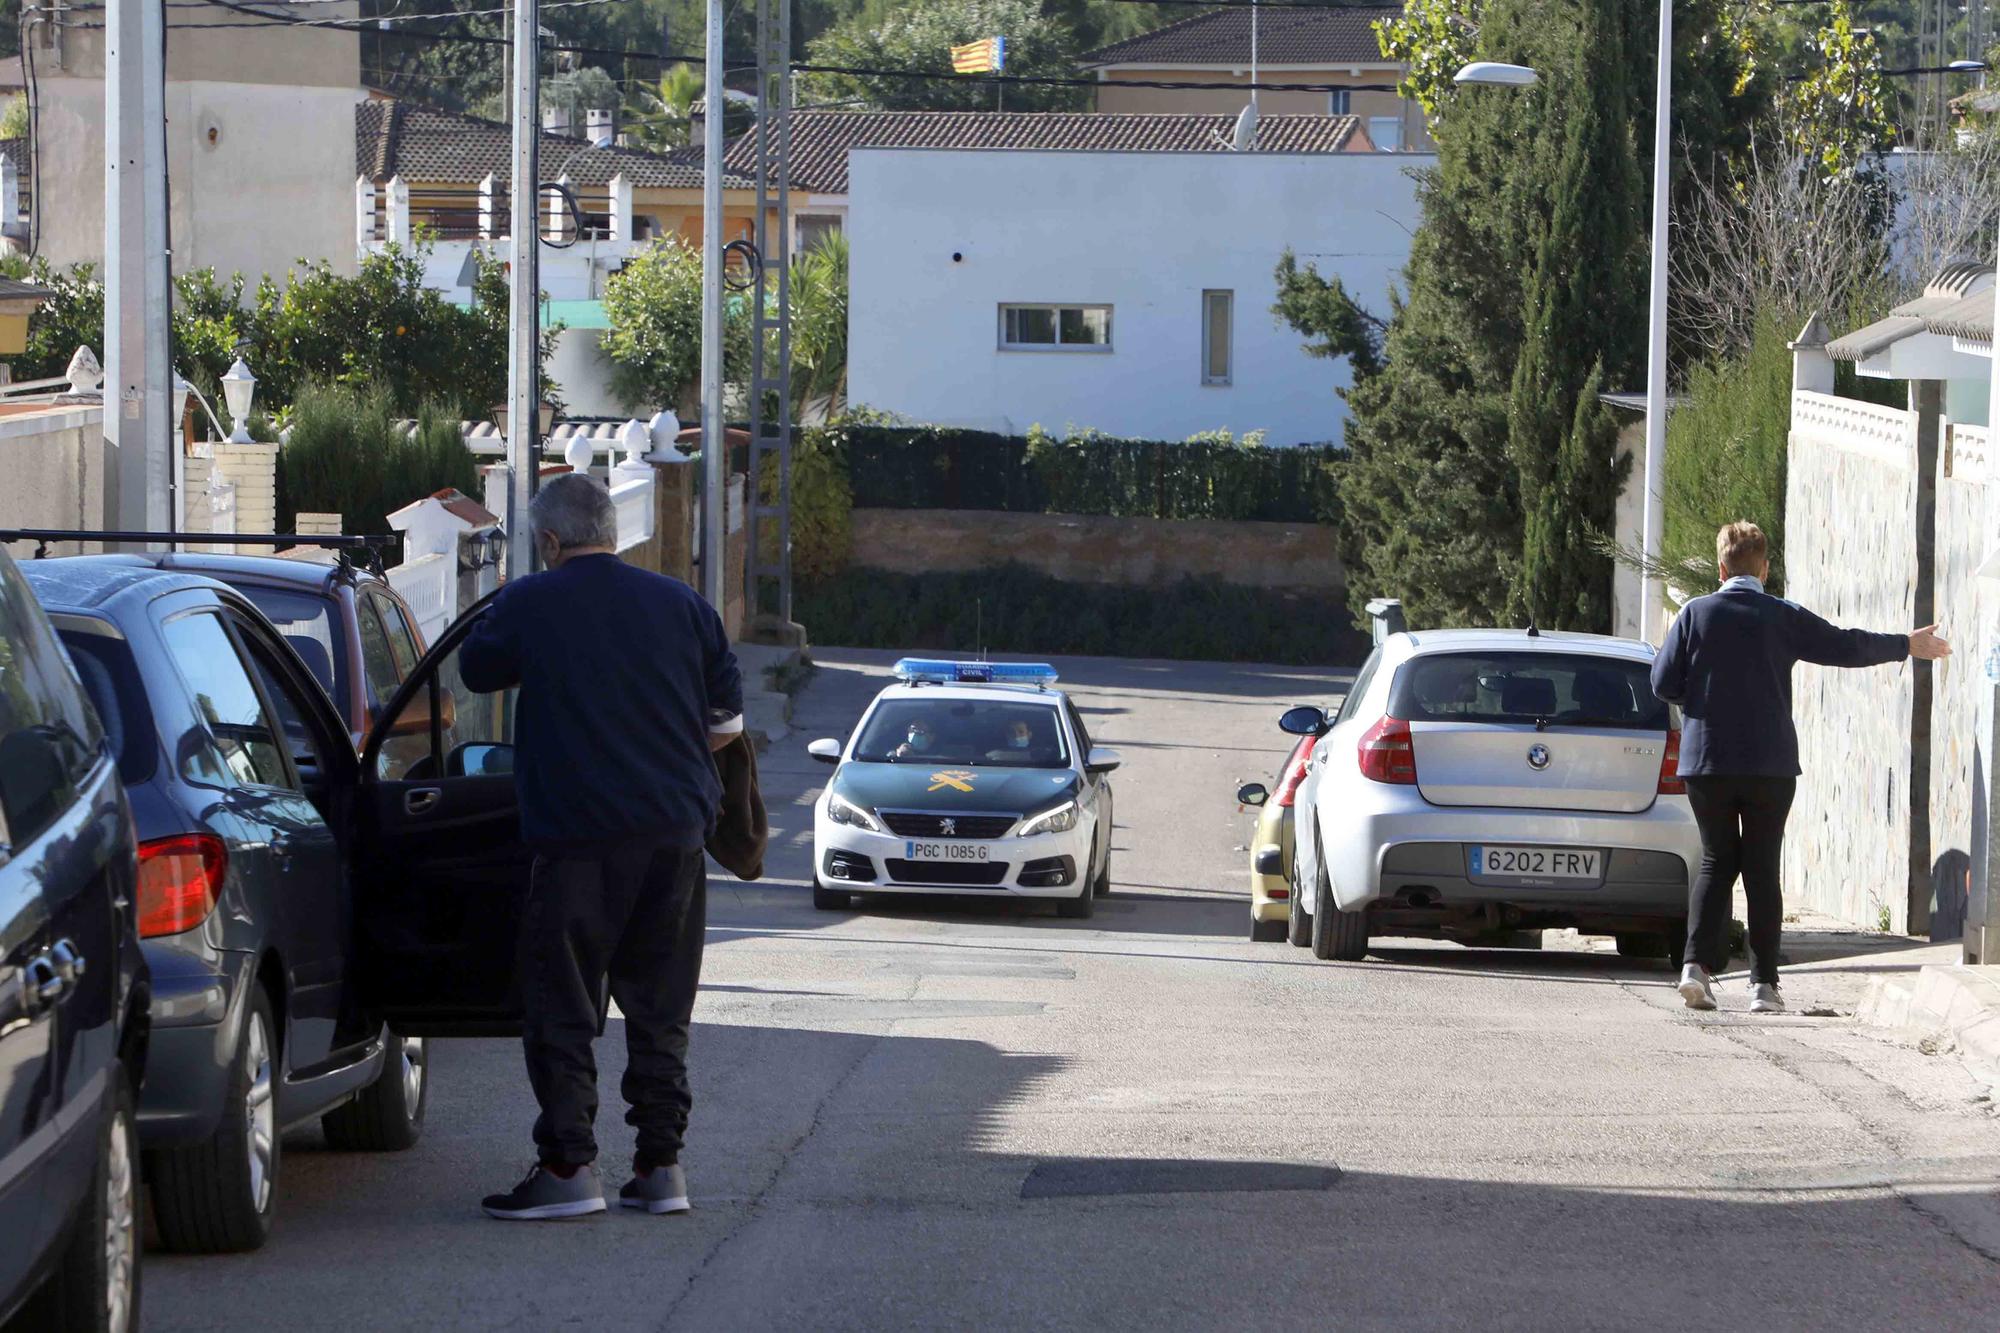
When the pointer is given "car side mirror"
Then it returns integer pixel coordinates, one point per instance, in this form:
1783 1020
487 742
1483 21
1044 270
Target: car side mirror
415 719
827 751
1304 720
1102 759
481 759
1252 793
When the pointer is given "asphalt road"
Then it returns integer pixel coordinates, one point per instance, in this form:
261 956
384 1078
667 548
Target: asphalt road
940 1114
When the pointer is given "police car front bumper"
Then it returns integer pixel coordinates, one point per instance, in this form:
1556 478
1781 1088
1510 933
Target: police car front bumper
1045 865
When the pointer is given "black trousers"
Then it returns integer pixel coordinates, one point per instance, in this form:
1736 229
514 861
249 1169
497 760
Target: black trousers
633 917
1742 823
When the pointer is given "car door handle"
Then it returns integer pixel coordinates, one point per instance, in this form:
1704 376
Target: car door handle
421 800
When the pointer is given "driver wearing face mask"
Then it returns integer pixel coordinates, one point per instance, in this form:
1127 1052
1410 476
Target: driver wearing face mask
918 741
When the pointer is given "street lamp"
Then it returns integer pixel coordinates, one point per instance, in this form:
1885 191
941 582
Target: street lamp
239 390
545 417
1653 527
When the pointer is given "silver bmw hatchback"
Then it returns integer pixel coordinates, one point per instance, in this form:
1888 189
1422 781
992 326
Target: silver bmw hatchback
1481 785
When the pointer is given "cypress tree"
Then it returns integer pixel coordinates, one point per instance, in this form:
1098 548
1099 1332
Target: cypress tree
1582 314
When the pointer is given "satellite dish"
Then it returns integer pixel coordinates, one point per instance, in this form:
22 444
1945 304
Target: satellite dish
1245 133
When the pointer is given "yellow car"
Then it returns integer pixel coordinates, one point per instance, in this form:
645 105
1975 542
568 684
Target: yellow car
1271 916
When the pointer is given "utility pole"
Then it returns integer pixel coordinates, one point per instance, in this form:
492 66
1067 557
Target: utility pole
1653 525
714 452
524 316
138 389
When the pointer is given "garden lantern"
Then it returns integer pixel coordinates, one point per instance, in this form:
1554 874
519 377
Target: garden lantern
239 391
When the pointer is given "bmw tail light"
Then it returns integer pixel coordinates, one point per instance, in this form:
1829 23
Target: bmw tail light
179 880
1288 790
1388 754
1671 783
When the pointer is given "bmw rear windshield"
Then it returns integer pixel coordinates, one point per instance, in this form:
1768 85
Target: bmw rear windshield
1507 688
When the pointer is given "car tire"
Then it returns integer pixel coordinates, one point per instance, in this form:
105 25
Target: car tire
1266 932
219 1196
1101 886
95 1287
1078 908
1337 936
388 1115
1649 944
1298 922
830 900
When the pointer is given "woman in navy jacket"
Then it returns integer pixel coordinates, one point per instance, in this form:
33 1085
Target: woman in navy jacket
1727 661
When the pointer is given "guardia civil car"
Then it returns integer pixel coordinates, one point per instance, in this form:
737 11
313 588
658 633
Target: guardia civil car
975 778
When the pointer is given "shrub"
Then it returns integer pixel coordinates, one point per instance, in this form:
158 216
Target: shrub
822 507
1013 609
349 454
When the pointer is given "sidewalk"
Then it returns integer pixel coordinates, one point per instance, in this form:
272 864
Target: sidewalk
770 676
1945 1005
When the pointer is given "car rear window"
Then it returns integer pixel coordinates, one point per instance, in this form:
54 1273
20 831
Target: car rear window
1563 689
306 621
111 678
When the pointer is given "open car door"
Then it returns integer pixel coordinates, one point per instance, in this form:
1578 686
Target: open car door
441 872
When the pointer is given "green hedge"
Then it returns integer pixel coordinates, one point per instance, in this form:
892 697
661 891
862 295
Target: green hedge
892 466
1017 610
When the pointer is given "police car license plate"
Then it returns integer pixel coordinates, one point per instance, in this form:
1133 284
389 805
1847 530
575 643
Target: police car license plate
1536 865
945 851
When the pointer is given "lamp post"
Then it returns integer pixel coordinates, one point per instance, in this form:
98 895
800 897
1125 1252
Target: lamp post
1653 526
239 391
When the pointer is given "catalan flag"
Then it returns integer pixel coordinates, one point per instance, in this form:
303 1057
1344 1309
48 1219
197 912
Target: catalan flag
988 56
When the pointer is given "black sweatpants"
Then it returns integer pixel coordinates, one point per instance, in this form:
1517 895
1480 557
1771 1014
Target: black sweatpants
1742 823
633 916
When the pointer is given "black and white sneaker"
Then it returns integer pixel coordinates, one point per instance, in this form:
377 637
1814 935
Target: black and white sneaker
661 1190
545 1195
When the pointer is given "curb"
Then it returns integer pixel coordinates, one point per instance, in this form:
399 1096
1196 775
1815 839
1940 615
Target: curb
1958 1001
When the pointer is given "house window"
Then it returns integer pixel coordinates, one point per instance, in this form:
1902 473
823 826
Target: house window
1339 102
1217 309
1066 328
1387 132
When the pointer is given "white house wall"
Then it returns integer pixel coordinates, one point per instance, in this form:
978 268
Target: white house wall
274 186
1147 234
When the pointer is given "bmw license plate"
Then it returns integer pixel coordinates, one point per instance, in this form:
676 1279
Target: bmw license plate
945 851
1536 865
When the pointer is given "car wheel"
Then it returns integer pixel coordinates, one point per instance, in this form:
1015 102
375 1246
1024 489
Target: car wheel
1266 932
1078 908
219 1196
1649 944
388 1116
1101 886
1298 921
95 1286
830 900
1337 936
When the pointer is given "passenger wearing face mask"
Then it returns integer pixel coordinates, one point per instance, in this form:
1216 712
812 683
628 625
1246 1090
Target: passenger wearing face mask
1019 743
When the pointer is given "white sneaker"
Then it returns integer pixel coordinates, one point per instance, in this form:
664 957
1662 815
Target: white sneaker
1696 987
1764 999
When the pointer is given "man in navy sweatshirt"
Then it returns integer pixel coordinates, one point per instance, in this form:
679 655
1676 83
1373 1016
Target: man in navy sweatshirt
1727 661
627 682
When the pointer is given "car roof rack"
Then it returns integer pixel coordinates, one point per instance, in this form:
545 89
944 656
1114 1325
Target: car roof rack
350 551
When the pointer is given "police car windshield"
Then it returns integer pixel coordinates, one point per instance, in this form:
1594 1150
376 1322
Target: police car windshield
998 733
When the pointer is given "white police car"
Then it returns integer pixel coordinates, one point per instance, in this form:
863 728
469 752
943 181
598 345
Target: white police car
966 777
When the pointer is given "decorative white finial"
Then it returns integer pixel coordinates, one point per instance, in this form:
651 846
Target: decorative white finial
85 374
665 430
579 452
633 438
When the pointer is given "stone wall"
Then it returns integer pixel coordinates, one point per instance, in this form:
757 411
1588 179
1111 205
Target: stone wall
1095 549
54 463
1966 530
1853 493
253 470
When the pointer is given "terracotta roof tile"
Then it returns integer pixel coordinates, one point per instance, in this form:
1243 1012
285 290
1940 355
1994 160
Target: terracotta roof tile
1284 37
393 137
821 140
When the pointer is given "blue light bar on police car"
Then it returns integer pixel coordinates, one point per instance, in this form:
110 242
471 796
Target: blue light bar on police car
935 671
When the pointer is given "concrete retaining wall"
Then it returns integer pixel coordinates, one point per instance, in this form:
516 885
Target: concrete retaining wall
1966 529
54 462
1096 549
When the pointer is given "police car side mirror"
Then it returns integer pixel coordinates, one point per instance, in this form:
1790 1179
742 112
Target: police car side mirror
826 751
1305 720
1102 760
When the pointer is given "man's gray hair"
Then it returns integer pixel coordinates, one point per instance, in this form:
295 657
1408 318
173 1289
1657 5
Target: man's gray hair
576 509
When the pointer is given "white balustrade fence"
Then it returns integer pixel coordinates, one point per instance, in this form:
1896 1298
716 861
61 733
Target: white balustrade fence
429 584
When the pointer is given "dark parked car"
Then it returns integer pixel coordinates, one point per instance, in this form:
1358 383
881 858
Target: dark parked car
73 996
330 909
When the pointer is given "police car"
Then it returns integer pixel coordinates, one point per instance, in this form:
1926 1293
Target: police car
974 778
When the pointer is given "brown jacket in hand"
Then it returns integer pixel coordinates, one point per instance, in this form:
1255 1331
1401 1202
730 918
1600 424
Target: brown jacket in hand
742 829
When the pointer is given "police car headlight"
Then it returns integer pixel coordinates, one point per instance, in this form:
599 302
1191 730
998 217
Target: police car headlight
1059 820
843 811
